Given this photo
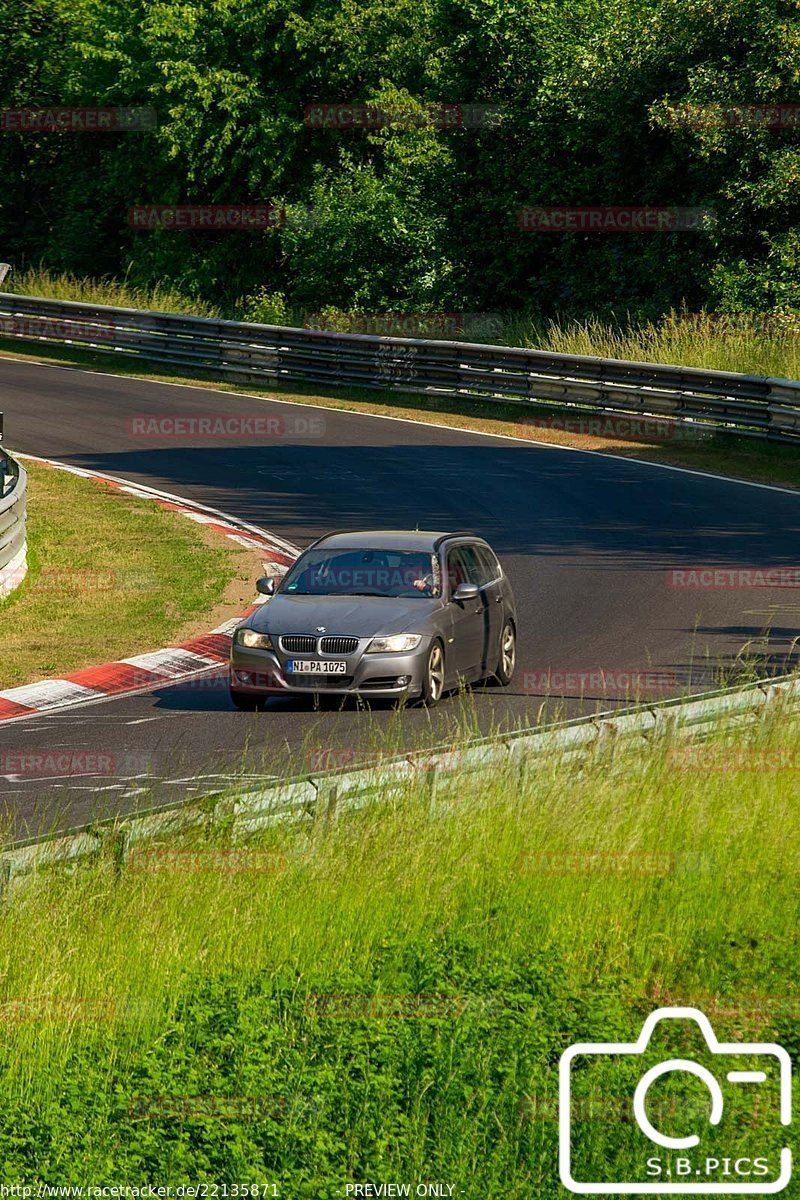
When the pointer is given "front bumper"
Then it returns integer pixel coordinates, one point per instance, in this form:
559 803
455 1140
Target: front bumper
262 672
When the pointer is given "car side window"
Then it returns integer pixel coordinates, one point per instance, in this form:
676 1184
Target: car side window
456 568
490 567
463 567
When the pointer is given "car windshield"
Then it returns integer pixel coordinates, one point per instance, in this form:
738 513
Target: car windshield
365 572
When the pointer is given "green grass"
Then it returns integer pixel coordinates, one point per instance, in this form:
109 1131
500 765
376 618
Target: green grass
501 918
109 575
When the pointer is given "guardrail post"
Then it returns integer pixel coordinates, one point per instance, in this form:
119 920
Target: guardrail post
111 846
522 769
431 784
118 849
327 804
605 744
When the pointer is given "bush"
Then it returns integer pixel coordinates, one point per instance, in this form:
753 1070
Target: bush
265 308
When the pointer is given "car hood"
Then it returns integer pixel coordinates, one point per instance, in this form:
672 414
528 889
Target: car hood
342 616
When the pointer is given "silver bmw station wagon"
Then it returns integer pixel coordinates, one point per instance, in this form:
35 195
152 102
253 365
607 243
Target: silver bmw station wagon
382 613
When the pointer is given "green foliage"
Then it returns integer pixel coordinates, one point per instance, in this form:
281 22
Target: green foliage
251 1081
408 218
265 308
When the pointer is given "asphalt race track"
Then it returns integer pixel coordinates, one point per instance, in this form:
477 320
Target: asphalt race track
587 541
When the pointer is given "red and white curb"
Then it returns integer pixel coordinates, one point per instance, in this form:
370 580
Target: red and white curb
159 667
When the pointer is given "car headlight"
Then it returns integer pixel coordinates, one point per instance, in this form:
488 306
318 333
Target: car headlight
253 640
396 644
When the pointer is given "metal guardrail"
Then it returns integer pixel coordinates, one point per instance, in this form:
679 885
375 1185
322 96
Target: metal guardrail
13 511
322 796
744 404
750 405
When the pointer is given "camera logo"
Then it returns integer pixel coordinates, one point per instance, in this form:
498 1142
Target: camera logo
729 1100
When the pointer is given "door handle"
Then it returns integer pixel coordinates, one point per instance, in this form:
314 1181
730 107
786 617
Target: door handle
498 599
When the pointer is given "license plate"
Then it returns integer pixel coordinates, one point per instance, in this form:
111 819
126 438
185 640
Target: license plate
301 666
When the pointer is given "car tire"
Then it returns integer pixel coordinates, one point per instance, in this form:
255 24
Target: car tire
507 655
246 701
433 679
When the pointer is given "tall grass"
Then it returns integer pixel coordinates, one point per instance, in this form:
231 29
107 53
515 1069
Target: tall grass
548 902
158 297
748 344
760 344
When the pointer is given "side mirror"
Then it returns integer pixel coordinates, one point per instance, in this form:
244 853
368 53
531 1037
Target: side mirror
466 591
265 586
